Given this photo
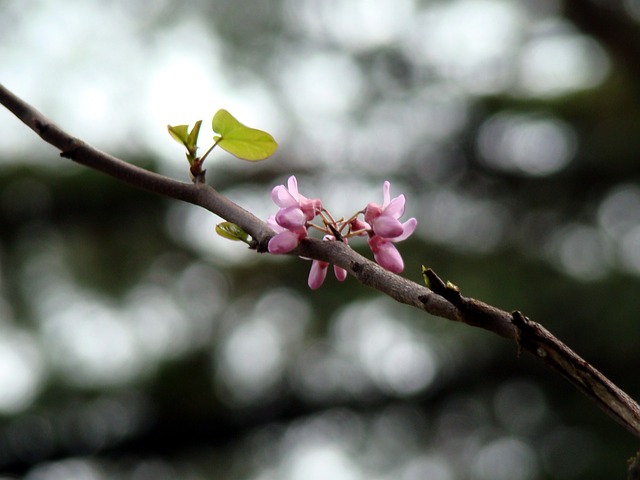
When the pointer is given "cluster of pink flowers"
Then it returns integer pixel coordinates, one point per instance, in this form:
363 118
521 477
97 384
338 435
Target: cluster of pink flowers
381 224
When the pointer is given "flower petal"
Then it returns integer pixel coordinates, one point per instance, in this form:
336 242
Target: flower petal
386 254
386 193
317 274
340 273
271 221
291 217
282 197
408 228
292 183
387 227
396 207
283 242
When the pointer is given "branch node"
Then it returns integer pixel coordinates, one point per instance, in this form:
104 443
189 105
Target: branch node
69 153
260 247
522 324
40 127
448 290
197 174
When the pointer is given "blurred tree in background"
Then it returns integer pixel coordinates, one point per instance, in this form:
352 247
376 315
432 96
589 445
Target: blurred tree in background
137 344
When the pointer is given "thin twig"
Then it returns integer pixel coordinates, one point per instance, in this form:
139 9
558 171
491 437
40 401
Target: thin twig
80 152
442 300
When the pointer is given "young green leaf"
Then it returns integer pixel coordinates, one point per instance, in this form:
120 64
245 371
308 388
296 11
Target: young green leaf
239 140
232 231
192 139
425 277
180 133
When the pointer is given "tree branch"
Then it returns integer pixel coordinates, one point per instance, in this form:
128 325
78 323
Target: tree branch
442 300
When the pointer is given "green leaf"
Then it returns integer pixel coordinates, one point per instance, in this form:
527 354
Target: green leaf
180 133
192 139
232 231
425 277
239 140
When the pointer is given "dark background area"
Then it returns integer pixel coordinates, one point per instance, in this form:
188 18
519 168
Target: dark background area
137 344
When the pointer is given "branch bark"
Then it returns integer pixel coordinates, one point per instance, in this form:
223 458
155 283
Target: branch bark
442 300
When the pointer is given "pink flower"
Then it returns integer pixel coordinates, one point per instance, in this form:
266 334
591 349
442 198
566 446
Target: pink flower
381 223
384 250
386 229
318 271
384 219
290 222
289 198
291 217
284 240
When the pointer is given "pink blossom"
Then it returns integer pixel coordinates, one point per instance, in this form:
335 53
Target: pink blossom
318 271
317 274
381 223
384 250
284 240
290 197
387 229
291 217
290 222
386 254
384 219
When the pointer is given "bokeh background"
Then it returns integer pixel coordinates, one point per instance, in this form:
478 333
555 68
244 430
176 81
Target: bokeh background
137 344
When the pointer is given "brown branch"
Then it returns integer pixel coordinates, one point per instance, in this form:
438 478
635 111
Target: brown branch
442 300
80 152
538 341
